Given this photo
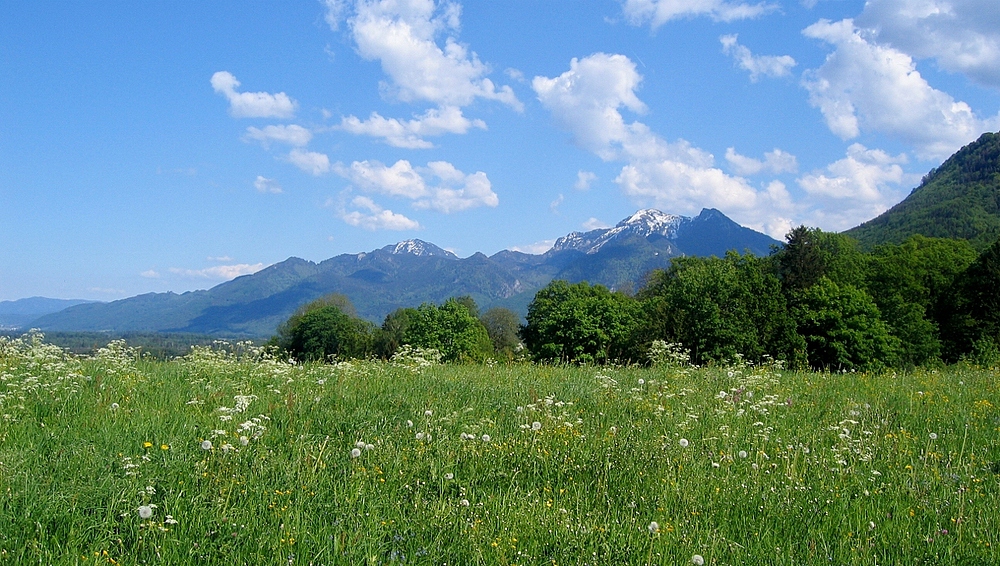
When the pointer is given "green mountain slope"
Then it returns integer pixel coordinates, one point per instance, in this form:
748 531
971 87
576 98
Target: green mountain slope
959 199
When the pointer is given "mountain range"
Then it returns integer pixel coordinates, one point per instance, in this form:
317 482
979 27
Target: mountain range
411 272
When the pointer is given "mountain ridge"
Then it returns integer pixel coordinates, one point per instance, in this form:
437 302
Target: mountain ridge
411 272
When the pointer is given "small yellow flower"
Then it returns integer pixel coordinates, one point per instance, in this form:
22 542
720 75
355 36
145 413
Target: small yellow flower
147 444
164 447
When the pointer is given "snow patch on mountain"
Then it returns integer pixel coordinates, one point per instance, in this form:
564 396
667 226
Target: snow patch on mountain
644 223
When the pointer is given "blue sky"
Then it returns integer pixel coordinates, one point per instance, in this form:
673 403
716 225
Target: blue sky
169 146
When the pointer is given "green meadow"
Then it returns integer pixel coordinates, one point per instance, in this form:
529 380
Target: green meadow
229 456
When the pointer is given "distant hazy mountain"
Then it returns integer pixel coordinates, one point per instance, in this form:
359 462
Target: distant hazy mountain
412 272
18 314
959 199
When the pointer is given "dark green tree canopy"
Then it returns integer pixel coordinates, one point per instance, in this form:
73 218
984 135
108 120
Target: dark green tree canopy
324 329
580 323
449 328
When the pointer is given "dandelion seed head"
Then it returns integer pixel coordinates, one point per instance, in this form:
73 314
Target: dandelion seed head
642 381
369 446
409 424
419 436
244 440
428 413
115 406
355 452
742 454
145 511
715 464
449 476
536 426
464 503
698 560
933 436
206 444
360 444
486 438
683 442
653 527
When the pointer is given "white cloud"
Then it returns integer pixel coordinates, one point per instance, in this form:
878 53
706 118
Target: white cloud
252 104
775 161
757 65
863 86
454 190
583 180
857 188
595 224
962 36
535 248
677 177
150 274
219 272
554 205
221 259
659 12
376 217
291 134
402 36
309 161
399 180
265 185
410 134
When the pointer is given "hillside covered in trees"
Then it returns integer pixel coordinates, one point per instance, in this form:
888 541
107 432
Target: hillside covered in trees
959 199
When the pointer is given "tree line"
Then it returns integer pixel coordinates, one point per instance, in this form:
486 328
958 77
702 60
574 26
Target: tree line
817 302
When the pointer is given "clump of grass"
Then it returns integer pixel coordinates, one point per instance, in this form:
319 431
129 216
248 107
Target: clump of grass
230 456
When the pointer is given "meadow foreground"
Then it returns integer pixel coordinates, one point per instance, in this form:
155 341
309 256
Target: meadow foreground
227 456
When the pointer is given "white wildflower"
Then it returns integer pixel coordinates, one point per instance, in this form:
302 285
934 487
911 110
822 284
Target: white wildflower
486 438
653 527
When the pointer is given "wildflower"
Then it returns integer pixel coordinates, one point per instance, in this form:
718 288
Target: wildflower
449 476
715 464
486 438
683 442
409 424
613 429
227 447
642 381
164 447
206 444
114 406
536 426
933 436
244 440
697 560
147 444
653 527
464 503
419 436
360 444
170 520
369 446
145 511
428 413
871 525
742 454
355 452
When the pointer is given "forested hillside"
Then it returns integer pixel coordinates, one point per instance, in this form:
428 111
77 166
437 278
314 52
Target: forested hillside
959 199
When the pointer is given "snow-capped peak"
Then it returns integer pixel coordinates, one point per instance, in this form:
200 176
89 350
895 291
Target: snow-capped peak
643 223
418 248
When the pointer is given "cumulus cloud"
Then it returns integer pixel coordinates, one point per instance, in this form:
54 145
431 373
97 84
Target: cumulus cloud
583 180
535 248
962 36
265 185
775 161
252 104
219 272
439 186
659 12
403 36
375 217
856 188
410 134
291 134
864 86
310 161
587 101
150 274
757 65
595 224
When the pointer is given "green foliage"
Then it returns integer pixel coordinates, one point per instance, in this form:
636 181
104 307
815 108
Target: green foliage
502 326
972 325
721 309
325 329
810 254
843 328
960 200
449 328
392 334
580 323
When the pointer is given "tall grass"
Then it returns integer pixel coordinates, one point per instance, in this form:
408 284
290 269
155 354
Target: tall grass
238 458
